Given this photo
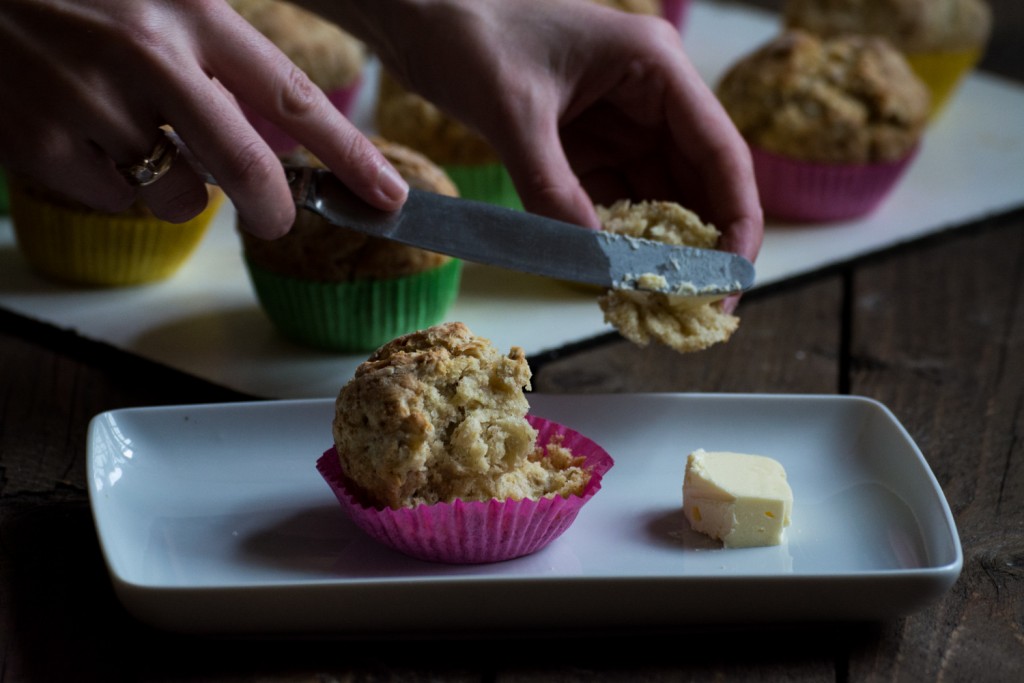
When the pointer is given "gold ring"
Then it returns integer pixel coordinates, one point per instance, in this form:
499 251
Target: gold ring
153 166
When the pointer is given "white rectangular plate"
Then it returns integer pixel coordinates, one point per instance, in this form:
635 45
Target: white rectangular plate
213 518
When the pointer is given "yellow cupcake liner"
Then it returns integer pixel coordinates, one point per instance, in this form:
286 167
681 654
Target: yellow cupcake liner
85 247
942 72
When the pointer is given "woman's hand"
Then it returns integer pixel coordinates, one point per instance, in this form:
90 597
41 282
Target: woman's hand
583 103
86 85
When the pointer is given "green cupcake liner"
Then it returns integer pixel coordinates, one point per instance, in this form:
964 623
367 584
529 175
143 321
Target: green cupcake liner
485 183
356 316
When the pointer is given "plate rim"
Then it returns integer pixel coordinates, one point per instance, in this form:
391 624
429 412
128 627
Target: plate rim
162 605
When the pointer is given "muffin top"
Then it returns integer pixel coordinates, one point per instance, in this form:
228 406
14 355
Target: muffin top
440 415
652 7
317 250
406 118
849 99
682 323
665 222
910 25
331 57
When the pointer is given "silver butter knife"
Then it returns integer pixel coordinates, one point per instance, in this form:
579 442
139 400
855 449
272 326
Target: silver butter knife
518 240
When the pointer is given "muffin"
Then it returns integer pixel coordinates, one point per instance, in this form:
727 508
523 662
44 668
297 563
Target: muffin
340 290
682 323
435 454
941 39
674 11
832 123
652 7
332 58
69 242
468 159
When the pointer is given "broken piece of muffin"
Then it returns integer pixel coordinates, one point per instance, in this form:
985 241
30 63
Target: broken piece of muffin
683 323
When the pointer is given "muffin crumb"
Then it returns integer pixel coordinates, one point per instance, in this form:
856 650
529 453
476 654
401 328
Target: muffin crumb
683 323
440 415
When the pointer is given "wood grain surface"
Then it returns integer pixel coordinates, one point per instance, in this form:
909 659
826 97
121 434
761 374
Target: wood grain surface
934 330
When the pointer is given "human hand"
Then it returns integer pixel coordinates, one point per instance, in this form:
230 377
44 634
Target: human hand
584 104
86 86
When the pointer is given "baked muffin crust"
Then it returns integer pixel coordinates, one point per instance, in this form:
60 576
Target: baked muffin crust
331 57
317 250
652 7
439 415
408 119
850 99
685 324
910 25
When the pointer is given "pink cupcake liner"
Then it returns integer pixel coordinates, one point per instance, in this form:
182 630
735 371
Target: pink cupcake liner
281 142
475 532
810 192
676 12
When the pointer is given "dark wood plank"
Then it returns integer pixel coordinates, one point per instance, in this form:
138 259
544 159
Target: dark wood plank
787 342
925 329
54 381
59 617
958 386
61 611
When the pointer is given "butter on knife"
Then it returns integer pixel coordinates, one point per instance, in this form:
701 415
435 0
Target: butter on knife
518 240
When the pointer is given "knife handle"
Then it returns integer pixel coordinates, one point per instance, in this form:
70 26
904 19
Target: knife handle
301 180
184 151
302 183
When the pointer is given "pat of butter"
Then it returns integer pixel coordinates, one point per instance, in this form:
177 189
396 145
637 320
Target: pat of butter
652 282
742 500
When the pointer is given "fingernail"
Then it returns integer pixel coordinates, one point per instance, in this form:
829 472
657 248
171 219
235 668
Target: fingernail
392 185
729 304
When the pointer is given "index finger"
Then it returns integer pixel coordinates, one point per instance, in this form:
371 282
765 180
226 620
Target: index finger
705 134
271 85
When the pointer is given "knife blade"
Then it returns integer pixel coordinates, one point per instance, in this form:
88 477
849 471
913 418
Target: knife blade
518 240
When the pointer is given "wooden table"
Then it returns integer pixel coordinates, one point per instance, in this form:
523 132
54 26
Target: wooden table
934 330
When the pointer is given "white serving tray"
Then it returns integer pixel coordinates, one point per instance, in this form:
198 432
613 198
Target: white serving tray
206 321
214 519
